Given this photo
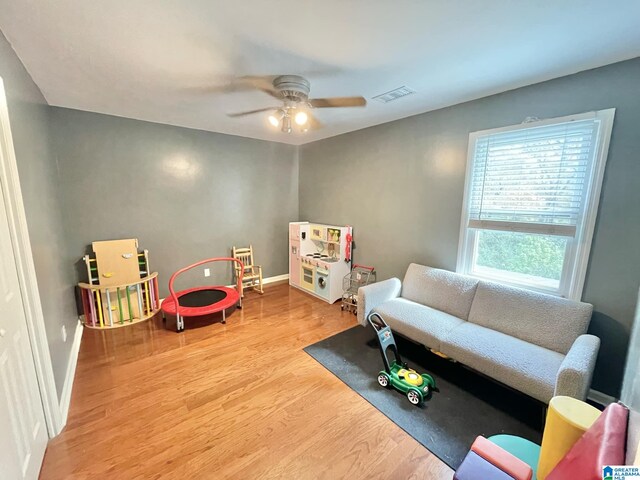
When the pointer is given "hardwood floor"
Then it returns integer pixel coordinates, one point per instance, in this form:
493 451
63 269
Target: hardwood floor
240 400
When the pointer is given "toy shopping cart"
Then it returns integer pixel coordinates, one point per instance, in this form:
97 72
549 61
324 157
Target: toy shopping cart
359 276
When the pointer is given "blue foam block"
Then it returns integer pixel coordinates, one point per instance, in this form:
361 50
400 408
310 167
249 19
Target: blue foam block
474 467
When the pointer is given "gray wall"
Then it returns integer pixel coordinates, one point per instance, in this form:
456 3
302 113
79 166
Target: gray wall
400 185
28 114
631 385
185 194
630 394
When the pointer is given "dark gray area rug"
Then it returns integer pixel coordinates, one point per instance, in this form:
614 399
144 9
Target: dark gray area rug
466 404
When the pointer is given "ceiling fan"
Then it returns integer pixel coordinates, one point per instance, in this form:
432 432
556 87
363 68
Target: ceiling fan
293 91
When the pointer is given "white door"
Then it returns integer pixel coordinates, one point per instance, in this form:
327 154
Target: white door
23 433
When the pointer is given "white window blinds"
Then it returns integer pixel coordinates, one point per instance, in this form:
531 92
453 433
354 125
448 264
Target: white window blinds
533 179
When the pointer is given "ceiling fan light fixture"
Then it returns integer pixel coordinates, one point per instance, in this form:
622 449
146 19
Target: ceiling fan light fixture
275 118
301 117
286 124
295 108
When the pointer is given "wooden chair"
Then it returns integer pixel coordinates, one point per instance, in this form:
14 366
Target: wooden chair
252 277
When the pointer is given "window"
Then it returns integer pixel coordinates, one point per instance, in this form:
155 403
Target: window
531 198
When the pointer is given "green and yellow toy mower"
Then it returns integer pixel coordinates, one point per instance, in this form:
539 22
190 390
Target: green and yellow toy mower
414 385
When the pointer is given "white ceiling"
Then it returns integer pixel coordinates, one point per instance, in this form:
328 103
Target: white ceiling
154 59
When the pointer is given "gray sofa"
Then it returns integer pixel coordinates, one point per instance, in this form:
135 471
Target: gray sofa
532 342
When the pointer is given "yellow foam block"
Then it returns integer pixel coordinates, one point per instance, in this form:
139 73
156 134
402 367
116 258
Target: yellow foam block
567 420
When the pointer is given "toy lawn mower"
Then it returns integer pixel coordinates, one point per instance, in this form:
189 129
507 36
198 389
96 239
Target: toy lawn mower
414 385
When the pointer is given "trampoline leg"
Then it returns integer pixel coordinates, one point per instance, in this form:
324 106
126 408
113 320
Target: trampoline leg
224 316
179 323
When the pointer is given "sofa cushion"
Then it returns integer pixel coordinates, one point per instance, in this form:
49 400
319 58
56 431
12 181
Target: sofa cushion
526 367
544 320
443 290
418 322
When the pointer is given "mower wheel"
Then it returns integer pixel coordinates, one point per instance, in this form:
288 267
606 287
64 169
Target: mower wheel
414 397
383 380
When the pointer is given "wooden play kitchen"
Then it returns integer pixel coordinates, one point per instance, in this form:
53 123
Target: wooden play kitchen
121 289
319 258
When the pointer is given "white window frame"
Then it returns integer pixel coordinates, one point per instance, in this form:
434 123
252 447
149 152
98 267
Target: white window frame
578 247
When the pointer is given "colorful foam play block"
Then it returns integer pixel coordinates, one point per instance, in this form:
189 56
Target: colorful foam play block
474 467
502 459
487 461
519 447
567 420
603 444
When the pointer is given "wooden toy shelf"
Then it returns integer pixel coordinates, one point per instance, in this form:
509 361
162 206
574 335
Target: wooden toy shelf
120 305
121 289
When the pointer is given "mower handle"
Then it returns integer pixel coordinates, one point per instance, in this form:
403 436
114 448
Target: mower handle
377 326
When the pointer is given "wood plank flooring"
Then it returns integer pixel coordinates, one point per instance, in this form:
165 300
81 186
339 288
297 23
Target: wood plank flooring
237 401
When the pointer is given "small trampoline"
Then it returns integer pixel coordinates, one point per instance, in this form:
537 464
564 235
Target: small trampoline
198 301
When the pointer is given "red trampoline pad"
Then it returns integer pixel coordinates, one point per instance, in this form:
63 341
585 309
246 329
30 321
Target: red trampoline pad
221 298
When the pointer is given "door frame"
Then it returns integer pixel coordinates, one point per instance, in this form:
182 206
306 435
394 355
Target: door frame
27 273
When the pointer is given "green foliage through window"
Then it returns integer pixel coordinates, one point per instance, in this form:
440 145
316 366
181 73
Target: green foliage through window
537 255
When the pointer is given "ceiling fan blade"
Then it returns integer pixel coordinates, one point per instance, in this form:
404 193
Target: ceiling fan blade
263 83
246 83
335 102
271 92
251 112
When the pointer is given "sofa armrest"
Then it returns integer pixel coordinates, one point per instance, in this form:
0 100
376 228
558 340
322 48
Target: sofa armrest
576 370
371 296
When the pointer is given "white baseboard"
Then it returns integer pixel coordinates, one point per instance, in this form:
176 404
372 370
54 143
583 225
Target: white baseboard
277 278
65 397
265 281
601 398
268 280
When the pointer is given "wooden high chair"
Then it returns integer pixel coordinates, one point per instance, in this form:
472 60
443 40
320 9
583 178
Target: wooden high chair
252 277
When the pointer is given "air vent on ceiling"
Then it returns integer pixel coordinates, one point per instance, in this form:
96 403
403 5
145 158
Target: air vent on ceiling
394 94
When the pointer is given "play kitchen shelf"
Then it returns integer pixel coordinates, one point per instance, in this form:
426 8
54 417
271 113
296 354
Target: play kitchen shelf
319 258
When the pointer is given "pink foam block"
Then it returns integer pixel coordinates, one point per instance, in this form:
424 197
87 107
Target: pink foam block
603 444
502 459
